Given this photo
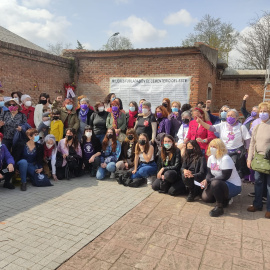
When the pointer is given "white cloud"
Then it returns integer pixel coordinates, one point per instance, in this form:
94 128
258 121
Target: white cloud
87 46
180 17
38 25
138 30
35 3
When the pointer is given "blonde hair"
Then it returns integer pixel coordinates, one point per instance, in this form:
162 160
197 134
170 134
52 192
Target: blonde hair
178 104
264 104
221 148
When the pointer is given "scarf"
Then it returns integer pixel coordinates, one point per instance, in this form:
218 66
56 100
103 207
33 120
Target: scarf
115 116
249 119
83 114
140 109
47 152
132 119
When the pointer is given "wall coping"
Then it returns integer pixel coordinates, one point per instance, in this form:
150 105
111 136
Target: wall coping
243 73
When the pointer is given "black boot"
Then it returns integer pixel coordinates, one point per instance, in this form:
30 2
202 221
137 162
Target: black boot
23 187
8 185
120 180
190 197
93 173
217 211
137 182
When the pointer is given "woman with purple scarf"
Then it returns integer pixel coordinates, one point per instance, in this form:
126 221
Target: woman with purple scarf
84 113
250 117
176 119
164 124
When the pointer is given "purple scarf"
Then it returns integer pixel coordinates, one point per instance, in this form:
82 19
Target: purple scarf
83 114
249 119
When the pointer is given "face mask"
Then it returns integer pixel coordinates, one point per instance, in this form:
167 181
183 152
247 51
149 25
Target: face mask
174 109
130 137
88 134
13 108
16 99
223 116
114 108
190 151
69 137
264 116
132 109
159 115
43 101
185 121
167 145
213 151
55 117
49 146
142 142
112 99
36 138
101 109
253 114
84 106
109 136
165 105
69 107
28 103
2 103
145 111
231 120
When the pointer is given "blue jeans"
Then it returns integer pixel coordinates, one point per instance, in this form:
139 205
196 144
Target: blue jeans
26 168
101 172
145 170
233 189
100 137
259 179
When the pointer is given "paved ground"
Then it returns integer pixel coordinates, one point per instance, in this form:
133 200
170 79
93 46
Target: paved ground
166 233
43 227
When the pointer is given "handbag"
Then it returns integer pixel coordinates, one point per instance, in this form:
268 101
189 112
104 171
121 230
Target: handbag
41 180
260 164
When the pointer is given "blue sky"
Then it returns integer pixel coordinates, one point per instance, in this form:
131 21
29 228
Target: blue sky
147 23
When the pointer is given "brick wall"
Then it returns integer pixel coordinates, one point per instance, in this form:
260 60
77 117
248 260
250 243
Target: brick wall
21 69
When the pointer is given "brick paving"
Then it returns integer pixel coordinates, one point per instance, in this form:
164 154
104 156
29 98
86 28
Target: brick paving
166 233
43 227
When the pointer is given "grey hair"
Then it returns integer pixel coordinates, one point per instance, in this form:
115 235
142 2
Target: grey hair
186 113
147 103
256 107
85 99
226 106
235 111
50 137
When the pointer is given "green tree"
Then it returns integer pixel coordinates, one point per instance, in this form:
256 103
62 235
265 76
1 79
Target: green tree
214 33
79 46
118 43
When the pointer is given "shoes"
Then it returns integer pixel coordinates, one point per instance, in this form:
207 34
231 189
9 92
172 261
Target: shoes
8 185
112 176
137 182
253 209
267 214
93 173
120 180
251 194
190 197
23 187
150 180
216 212
264 200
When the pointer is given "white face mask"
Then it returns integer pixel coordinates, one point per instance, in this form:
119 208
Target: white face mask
145 111
49 146
101 109
88 134
28 103
213 151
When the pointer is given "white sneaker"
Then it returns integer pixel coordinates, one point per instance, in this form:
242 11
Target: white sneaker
231 201
150 180
112 176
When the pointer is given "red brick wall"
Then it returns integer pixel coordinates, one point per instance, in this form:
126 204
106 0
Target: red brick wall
21 69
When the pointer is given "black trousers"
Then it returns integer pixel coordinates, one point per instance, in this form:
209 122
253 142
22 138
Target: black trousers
91 166
216 191
7 176
8 143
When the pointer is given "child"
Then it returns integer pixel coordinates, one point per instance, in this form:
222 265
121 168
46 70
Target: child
57 126
45 125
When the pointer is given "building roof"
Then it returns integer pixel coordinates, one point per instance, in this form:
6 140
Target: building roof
9 37
229 72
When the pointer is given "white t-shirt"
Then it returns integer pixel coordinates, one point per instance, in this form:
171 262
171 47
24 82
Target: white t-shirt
232 136
182 134
224 163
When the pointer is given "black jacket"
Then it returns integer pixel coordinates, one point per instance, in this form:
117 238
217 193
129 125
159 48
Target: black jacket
98 122
124 149
200 168
173 164
88 115
18 148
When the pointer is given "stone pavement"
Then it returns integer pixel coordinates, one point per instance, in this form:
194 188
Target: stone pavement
43 227
166 233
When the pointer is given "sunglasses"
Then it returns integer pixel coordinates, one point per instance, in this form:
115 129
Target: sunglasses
11 105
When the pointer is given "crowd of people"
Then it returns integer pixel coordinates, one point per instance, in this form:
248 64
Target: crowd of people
176 149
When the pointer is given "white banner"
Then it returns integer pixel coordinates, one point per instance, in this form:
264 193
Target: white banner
152 89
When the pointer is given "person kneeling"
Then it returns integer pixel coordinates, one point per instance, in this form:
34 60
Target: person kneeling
222 181
168 165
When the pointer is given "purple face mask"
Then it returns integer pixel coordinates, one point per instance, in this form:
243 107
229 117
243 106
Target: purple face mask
114 108
264 116
253 114
159 115
231 120
84 106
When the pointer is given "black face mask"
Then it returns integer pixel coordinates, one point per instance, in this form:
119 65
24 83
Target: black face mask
185 121
130 137
165 105
43 101
142 142
109 136
70 137
55 117
190 151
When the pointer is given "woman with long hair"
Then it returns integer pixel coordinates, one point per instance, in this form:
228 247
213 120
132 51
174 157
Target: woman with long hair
168 165
175 118
132 114
108 99
44 100
193 168
111 150
164 124
167 104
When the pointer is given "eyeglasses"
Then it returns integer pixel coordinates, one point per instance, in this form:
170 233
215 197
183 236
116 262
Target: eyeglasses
11 105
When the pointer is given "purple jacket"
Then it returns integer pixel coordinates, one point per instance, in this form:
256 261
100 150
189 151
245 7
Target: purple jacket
164 126
5 156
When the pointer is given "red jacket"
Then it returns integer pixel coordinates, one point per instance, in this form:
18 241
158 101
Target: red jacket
194 132
29 113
